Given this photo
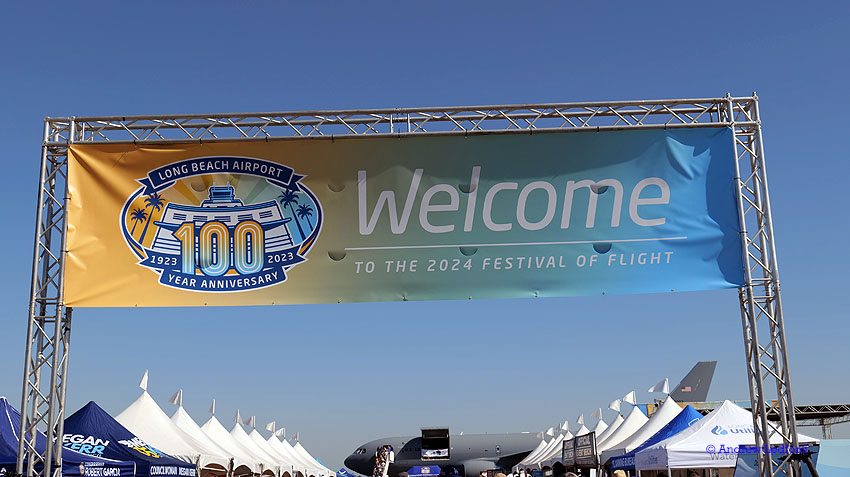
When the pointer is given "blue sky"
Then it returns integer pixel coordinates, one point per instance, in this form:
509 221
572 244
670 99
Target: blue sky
478 366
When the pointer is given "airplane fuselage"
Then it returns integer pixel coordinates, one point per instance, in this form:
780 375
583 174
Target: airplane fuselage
471 453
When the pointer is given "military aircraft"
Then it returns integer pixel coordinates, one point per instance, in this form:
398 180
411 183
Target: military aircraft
435 451
466 455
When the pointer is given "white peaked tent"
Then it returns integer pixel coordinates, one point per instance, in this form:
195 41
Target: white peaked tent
548 449
665 413
145 419
615 424
600 427
294 453
259 441
634 421
529 459
218 434
729 426
286 453
299 449
582 431
241 437
554 449
185 422
556 453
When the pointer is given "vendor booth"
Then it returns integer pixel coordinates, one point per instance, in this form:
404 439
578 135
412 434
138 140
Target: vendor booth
686 417
665 413
712 442
74 464
114 441
147 420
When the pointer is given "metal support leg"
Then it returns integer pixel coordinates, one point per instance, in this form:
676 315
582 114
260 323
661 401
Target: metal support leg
49 321
760 298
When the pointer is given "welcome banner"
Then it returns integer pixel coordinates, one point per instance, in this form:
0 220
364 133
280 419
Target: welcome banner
411 218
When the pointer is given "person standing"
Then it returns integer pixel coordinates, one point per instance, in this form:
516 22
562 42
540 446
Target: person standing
389 459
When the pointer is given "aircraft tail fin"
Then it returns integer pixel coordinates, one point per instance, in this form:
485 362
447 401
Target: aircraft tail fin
694 386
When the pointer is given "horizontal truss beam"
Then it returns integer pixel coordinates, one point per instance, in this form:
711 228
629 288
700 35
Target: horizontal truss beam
519 118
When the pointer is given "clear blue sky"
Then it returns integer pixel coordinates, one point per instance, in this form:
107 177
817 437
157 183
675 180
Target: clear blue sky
479 366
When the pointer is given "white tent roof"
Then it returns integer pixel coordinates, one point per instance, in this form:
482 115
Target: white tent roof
668 410
546 450
262 444
530 457
634 421
185 422
665 413
145 419
729 425
241 437
218 434
286 453
582 431
554 448
299 449
556 453
615 424
299 458
600 427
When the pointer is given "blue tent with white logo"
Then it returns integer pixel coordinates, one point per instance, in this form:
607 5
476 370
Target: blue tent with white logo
682 421
424 471
74 464
94 432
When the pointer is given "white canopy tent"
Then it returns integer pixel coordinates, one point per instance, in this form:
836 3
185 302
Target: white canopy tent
286 453
283 462
634 421
218 434
600 427
185 422
529 459
554 452
729 426
553 444
300 450
665 413
145 419
615 424
554 448
241 437
285 443
582 431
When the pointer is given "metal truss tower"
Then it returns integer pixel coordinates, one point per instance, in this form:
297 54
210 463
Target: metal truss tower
49 321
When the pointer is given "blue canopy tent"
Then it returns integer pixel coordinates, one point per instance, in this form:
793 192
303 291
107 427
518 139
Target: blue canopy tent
424 471
682 421
74 464
92 431
343 472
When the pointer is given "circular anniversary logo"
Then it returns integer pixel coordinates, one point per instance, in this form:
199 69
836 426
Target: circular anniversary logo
221 224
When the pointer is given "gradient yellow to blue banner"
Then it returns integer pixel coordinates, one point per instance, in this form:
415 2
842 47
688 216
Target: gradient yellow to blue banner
415 218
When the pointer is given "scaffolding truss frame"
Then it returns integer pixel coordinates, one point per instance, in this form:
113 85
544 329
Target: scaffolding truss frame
49 321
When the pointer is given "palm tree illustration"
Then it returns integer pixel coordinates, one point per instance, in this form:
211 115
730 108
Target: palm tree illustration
287 199
305 211
155 202
137 215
